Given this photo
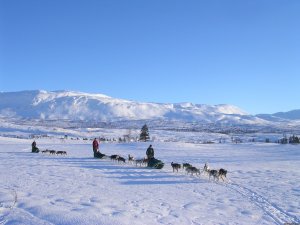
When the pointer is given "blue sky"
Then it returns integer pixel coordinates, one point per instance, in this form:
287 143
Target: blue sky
243 52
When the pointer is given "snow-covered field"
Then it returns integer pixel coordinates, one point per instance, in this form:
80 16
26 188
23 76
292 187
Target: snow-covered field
263 185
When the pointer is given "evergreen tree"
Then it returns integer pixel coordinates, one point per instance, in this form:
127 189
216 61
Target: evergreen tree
294 140
284 140
144 136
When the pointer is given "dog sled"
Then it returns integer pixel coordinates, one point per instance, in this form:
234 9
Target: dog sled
35 150
155 163
98 155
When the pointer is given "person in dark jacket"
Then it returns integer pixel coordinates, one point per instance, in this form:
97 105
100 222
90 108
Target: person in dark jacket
150 152
34 148
96 151
153 162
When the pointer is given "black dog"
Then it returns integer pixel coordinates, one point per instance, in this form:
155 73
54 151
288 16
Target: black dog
192 170
213 173
175 166
114 157
130 158
121 159
186 165
222 173
61 152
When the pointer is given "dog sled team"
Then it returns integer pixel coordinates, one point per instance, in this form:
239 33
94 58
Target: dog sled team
148 161
53 152
212 173
35 149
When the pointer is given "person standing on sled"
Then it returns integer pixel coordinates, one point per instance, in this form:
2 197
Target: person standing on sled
152 162
150 153
97 154
95 147
34 148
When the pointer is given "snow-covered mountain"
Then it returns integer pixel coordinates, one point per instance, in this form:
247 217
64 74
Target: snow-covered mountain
77 106
69 105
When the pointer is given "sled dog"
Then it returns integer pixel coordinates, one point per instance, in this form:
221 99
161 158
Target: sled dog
175 166
213 173
222 173
130 158
61 153
52 152
121 159
192 170
186 165
114 157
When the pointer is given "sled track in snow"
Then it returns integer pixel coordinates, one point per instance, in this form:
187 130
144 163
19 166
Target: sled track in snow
7 206
277 214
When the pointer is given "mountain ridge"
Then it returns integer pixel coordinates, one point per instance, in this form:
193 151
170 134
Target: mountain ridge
73 105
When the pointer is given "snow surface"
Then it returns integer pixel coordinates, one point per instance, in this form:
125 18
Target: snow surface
263 185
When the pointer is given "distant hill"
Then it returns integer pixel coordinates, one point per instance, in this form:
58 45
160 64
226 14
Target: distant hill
70 105
281 116
291 115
